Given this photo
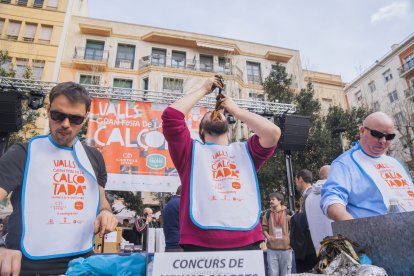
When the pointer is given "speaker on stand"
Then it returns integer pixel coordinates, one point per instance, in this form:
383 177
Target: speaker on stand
295 131
10 116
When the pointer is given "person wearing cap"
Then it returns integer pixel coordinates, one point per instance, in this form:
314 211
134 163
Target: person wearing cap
58 194
362 180
220 200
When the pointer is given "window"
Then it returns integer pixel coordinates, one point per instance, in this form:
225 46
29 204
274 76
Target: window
409 61
37 69
45 34
358 95
38 4
21 65
5 64
5 1
14 28
376 106
122 86
88 79
399 119
1 26
224 65
123 83
393 96
94 49
125 56
145 83
253 72
52 4
22 2
158 57
172 85
29 32
206 63
371 86
253 96
178 59
387 75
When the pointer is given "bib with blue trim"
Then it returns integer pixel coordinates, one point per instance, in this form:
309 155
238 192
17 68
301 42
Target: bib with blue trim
60 199
224 191
389 176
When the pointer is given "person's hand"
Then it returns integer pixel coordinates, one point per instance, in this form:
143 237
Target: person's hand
212 83
229 105
10 262
105 222
271 238
149 218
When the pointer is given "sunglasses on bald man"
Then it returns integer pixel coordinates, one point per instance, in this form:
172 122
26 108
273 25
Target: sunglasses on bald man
379 134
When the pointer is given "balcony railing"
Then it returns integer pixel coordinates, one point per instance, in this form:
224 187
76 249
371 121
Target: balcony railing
190 64
91 54
254 79
124 63
406 67
409 93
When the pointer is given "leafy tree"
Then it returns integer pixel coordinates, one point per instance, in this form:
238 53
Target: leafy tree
132 200
9 72
277 85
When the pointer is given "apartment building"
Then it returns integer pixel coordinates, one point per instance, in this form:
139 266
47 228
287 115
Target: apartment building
329 89
32 33
388 86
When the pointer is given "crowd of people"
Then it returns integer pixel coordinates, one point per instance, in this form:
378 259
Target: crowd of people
216 208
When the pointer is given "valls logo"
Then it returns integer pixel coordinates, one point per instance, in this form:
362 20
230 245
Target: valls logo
156 161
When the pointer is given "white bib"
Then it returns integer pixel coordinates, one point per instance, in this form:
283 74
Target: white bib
389 176
224 191
60 200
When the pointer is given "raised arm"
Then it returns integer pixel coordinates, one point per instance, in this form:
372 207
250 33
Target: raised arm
267 131
188 101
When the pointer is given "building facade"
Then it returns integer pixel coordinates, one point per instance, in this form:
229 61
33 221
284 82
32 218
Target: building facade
329 89
388 86
32 31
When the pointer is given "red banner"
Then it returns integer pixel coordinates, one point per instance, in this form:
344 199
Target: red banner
129 136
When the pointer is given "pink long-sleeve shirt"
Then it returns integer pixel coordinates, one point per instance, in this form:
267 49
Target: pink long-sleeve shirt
180 145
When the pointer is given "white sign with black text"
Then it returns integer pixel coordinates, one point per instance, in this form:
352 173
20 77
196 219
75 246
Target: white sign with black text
223 263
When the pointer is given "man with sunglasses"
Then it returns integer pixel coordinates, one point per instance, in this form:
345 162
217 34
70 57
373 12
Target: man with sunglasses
362 180
58 192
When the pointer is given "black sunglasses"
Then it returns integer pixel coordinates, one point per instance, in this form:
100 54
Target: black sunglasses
73 119
379 134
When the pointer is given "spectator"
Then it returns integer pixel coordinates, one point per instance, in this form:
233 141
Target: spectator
276 230
172 223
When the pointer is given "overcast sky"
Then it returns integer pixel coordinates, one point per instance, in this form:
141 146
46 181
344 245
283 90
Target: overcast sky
334 36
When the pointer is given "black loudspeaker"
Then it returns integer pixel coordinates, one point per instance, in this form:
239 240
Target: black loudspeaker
10 112
295 131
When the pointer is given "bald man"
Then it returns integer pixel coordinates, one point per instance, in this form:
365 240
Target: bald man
363 179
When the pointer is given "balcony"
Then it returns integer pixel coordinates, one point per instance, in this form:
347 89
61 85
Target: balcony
190 64
406 68
90 59
409 93
124 63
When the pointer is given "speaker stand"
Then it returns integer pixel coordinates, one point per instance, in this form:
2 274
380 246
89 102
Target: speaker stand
289 176
4 141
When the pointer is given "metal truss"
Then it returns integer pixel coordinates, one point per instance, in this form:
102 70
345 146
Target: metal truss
160 97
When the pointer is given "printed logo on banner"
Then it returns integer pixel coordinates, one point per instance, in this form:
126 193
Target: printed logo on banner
156 161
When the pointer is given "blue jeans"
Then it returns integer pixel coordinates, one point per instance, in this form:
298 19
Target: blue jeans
279 262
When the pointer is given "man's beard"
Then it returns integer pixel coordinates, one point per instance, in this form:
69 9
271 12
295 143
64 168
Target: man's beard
216 127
